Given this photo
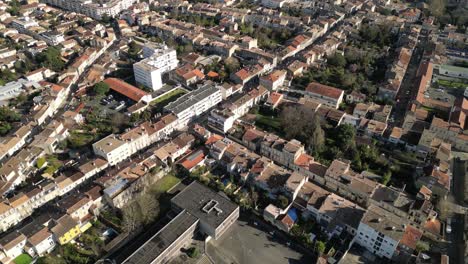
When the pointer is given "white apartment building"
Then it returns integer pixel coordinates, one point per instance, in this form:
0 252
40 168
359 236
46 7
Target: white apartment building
93 8
380 232
223 119
112 149
195 103
161 59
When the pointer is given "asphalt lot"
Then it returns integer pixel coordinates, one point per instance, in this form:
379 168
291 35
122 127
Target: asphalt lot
244 243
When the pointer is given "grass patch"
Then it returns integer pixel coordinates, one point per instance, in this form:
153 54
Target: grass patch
169 97
23 259
164 184
451 84
269 123
79 139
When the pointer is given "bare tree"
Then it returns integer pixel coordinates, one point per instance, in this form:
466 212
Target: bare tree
132 217
149 206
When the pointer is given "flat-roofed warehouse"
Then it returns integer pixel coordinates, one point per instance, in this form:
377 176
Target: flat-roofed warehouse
199 210
216 212
164 244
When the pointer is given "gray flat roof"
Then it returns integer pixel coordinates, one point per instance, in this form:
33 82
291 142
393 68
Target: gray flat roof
163 239
210 207
188 100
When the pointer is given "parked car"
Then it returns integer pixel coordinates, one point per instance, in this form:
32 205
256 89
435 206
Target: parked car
448 227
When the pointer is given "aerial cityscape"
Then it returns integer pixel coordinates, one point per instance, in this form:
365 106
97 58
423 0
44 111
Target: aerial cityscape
233 131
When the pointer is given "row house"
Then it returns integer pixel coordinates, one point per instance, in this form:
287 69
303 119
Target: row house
116 148
281 151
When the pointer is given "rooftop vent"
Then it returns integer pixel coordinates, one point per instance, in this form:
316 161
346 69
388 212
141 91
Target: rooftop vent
212 205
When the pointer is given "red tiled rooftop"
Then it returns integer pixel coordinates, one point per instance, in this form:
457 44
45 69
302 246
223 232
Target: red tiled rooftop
324 90
411 237
125 89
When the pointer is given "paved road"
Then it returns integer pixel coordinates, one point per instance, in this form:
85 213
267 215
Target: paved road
456 245
407 89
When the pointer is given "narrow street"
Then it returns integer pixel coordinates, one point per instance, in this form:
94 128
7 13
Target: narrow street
407 88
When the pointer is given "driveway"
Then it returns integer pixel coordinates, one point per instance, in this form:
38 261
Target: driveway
246 244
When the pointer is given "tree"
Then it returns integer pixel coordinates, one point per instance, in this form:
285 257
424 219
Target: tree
317 138
386 177
302 124
132 217
101 88
193 252
283 201
232 65
14 8
345 137
337 60
106 19
437 7
422 246
149 207
319 247
254 195
49 259
51 58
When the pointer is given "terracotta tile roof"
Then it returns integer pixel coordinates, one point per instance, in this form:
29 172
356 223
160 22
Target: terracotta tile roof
275 98
40 236
411 236
274 76
396 132
125 89
324 90
433 226
193 159
287 221
442 178
213 138
94 193
212 74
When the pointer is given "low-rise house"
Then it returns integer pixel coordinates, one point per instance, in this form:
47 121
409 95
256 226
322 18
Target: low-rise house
273 80
274 100
437 181
188 75
253 138
327 95
268 176
40 240
296 68
65 229
281 151
12 245
355 97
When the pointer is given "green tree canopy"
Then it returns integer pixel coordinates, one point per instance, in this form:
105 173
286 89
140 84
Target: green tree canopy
336 60
320 247
101 88
51 59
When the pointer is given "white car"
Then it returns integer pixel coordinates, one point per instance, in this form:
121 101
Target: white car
448 227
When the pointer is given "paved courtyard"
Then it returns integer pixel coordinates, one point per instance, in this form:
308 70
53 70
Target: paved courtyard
245 244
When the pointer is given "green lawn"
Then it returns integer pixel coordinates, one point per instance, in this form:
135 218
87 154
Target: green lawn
23 259
269 123
164 184
451 84
169 97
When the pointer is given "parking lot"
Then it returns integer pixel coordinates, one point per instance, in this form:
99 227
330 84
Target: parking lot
245 243
108 105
